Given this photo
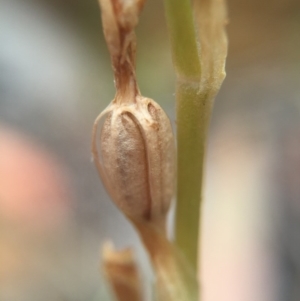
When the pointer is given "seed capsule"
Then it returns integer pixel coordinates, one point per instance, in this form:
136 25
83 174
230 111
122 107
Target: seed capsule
134 148
136 157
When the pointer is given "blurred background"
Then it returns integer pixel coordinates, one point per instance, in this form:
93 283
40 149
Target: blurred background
55 78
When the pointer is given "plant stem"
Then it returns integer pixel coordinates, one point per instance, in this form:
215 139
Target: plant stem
193 114
192 120
174 279
183 38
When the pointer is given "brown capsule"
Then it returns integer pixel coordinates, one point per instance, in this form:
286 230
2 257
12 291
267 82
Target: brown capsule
134 152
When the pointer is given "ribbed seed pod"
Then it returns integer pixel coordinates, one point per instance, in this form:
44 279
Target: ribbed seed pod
136 158
133 146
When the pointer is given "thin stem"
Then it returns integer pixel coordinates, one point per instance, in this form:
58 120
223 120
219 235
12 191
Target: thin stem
175 281
191 126
192 120
183 38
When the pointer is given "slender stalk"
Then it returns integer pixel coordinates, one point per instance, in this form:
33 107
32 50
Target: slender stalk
179 16
193 114
191 126
174 279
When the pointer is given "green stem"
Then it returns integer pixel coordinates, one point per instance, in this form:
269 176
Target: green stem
192 119
179 16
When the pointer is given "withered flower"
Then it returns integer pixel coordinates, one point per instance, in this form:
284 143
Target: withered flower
122 273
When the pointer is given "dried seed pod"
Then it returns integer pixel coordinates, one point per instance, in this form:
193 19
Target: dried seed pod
136 157
134 150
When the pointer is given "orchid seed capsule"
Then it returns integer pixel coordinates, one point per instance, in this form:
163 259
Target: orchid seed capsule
136 158
133 146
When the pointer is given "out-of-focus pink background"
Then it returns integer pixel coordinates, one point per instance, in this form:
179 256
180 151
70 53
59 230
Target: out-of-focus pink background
55 77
